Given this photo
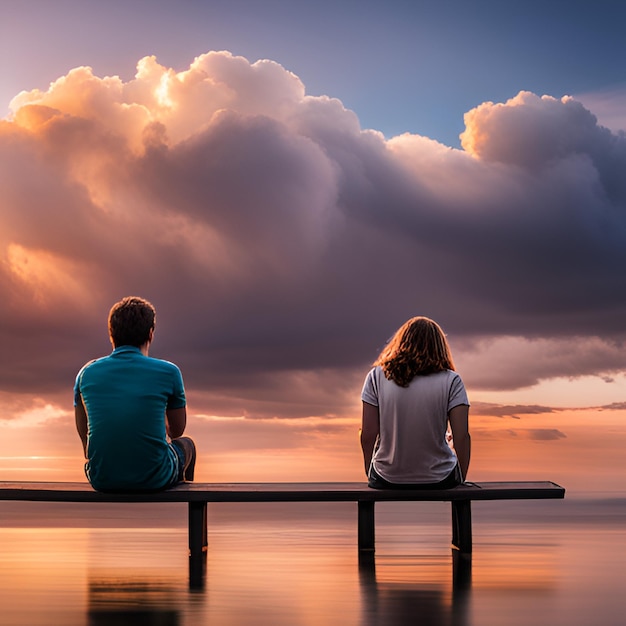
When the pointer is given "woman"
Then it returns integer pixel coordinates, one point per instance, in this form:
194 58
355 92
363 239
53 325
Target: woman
409 398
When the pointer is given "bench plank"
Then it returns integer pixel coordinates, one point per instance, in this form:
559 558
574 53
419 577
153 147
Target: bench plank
281 492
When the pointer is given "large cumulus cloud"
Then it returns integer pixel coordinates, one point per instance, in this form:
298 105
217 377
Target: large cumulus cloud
280 241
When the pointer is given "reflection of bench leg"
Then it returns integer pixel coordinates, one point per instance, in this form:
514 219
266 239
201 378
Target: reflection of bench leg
197 543
461 571
367 533
462 525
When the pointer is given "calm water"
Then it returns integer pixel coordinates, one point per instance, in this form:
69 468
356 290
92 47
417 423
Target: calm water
539 563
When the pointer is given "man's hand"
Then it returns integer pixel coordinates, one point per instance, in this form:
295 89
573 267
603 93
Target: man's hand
81 424
175 422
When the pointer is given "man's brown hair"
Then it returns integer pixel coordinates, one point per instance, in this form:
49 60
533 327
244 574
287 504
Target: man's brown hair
130 322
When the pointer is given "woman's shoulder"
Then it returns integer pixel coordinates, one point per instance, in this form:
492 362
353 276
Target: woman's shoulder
446 374
375 372
447 377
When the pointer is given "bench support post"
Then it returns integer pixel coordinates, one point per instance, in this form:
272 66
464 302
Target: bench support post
197 544
197 529
462 525
367 528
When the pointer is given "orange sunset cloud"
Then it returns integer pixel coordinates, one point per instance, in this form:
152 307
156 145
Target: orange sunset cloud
282 244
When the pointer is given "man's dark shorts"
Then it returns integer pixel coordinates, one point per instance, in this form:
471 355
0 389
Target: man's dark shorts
186 452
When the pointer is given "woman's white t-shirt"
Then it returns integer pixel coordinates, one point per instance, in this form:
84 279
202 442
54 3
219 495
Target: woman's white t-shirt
412 447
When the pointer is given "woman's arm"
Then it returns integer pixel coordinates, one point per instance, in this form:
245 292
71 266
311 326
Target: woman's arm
458 417
370 429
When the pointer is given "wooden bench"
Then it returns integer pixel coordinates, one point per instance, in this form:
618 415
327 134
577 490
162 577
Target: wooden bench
197 495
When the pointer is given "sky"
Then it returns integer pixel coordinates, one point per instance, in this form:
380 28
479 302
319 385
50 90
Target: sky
288 182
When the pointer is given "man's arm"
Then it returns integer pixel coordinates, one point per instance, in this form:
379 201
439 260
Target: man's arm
370 429
175 422
458 417
81 423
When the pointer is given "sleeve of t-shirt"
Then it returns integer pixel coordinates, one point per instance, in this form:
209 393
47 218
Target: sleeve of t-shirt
77 389
79 380
177 400
457 395
77 393
369 393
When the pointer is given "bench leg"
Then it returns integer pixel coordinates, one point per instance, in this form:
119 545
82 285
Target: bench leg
462 525
197 528
197 544
367 531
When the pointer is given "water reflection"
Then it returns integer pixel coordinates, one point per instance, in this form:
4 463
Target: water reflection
299 567
397 602
132 602
197 572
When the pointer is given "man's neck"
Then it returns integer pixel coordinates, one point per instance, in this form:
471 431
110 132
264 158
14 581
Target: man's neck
144 349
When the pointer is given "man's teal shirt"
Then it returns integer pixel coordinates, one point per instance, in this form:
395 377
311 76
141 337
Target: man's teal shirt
125 395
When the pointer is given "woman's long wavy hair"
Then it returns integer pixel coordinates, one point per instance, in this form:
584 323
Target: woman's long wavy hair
418 348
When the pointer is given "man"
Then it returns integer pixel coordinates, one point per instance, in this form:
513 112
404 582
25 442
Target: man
131 410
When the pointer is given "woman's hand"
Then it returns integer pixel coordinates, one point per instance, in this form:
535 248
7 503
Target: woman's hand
370 429
459 423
